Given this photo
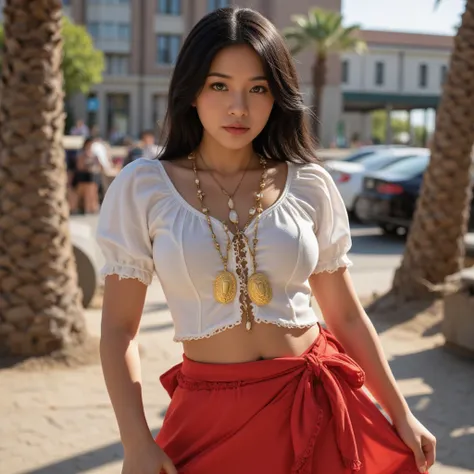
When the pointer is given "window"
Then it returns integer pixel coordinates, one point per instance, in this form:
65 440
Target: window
411 166
118 114
345 71
116 64
66 3
215 4
423 79
444 73
169 7
379 73
123 31
93 28
167 48
109 30
109 2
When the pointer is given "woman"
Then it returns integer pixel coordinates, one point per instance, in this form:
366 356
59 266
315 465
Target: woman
88 177
241 225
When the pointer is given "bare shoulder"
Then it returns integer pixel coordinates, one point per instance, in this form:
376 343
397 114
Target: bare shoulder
178 167
178 163
276 167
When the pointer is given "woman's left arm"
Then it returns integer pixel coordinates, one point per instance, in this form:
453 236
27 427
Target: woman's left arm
347 320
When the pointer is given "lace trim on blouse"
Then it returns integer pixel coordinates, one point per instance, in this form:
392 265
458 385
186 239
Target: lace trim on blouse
127 271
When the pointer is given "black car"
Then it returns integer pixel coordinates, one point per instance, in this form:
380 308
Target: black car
389 196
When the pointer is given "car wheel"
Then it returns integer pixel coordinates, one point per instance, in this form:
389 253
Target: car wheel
389 229
360 212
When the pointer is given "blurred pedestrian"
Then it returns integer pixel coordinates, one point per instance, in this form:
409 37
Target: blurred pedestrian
88 177
80 129
145 148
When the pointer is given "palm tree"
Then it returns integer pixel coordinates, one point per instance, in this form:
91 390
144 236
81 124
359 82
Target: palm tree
322 32
435 245
40 303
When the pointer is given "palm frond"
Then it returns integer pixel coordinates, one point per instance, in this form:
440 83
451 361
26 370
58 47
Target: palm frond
300 20
323 31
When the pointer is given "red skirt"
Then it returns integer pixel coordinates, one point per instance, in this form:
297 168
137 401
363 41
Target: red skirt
290 415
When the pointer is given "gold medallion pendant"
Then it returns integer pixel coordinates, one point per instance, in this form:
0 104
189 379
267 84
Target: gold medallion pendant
225 287
259 289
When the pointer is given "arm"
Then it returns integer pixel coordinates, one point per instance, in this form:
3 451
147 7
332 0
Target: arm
122 309
123 236
347 320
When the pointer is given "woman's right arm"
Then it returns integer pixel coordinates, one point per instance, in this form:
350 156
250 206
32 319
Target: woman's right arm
122 309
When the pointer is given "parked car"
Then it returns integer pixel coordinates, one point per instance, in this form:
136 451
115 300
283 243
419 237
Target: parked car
368 150
349 176
389 196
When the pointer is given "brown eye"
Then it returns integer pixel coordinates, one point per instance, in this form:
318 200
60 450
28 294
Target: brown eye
219 86
259 90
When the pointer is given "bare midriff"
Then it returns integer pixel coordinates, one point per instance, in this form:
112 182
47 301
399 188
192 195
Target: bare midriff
264 341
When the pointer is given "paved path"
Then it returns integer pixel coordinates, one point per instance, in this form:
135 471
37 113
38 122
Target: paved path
61 422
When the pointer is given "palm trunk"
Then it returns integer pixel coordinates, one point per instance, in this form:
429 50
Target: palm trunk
319 80
40 303
435 247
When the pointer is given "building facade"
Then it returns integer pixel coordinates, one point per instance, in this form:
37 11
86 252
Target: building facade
141 40
399 72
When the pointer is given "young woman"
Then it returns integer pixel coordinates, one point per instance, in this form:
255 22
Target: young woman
242 225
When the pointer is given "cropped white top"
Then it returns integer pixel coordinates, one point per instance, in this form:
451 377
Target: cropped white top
146 226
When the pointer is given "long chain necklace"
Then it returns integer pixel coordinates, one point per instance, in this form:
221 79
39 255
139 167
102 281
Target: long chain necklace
225 284
233 216
258 286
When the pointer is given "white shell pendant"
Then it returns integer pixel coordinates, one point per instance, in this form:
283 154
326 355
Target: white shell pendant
230 203
248 325
233 217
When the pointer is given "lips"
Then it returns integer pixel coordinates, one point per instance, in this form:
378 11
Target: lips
236 129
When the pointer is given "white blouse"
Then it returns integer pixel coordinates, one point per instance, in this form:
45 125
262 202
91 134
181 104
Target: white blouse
146 226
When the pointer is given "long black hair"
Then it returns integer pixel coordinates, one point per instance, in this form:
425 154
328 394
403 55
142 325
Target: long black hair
286 135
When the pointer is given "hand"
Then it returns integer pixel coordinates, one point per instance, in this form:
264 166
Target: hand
419 440
147 459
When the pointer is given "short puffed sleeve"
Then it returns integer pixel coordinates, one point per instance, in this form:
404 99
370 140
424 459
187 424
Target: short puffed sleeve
122 232
331 222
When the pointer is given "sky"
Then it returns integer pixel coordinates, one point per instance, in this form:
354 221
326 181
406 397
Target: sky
404 15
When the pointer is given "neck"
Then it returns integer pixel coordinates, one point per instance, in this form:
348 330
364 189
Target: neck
224 161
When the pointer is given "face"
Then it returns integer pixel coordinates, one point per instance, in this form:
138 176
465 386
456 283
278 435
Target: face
235 102
148 139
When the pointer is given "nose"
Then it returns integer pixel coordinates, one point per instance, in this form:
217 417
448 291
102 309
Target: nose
238 106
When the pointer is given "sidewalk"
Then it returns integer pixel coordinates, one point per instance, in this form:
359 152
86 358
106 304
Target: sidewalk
61 422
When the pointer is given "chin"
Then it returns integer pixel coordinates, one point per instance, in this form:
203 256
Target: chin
237 142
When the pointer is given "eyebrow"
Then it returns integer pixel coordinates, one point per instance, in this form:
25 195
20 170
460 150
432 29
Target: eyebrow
225 76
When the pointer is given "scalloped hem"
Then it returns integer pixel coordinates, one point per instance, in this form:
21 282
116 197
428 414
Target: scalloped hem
127 272
287 325
238 323
334 265
208 335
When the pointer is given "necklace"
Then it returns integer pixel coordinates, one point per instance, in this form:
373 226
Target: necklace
225 284
258 285
233 216
257 288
